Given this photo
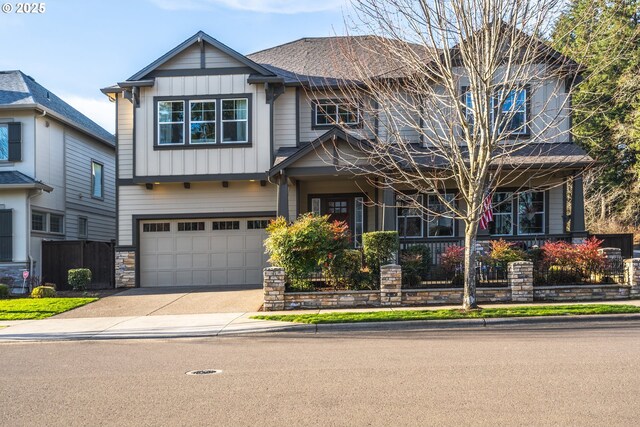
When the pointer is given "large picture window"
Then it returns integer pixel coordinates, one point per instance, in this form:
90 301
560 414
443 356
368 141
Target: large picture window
531 212
502 224
331 112
170 122
409 215
440 219
235 120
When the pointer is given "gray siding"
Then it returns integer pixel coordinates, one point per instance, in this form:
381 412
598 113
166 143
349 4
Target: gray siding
125 137
190 58
284 119
79 152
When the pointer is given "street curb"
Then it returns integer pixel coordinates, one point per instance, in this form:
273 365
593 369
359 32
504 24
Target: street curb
461 323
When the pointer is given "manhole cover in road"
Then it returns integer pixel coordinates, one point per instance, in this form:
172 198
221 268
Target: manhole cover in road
205 372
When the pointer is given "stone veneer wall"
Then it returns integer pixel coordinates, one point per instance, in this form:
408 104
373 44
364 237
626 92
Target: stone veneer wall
125 268
335 299
580 293
520 289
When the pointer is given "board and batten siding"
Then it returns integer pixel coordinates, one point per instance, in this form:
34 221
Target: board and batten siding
209 161
125 137
284 120
202 197
190 59
556 210
79 153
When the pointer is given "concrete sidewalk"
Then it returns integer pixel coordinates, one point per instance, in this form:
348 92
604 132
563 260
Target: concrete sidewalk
215 324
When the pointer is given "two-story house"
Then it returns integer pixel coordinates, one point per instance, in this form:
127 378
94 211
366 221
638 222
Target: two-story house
57 175
212 144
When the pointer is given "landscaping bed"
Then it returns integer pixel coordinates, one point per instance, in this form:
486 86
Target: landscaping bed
448 314
38 308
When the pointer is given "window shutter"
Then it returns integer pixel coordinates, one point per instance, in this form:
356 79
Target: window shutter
15 142
6 235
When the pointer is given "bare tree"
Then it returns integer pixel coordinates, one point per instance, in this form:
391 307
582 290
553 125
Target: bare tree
444 93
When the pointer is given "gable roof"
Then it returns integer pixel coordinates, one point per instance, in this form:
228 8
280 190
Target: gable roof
18 90
196 38
314 60
286 156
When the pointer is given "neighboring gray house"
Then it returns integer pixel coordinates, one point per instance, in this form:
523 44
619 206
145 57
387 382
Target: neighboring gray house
212 144
57 175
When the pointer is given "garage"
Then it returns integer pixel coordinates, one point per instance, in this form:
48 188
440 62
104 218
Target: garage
202 252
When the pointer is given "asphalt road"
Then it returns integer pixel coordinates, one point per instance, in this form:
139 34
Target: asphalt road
566 374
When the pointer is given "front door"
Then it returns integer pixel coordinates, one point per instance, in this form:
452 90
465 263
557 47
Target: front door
339 209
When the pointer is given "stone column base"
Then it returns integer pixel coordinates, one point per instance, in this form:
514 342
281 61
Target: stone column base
125 268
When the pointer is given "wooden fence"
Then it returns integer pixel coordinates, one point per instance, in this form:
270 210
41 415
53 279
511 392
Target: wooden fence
59 256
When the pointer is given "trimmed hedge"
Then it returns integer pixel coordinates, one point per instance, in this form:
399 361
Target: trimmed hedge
43 292
79 278
379 248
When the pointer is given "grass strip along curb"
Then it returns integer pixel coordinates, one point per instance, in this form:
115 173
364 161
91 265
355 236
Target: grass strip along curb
449 314
40 308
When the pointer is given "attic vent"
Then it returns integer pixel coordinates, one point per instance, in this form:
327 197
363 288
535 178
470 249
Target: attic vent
48 95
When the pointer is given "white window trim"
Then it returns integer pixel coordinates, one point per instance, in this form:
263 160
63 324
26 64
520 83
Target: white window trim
420 200
214 121
336 119
469 111
184 136
93 180
223 121
544 215
524 129
47 222
510 193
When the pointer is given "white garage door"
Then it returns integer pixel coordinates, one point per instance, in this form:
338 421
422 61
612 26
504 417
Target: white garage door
200 252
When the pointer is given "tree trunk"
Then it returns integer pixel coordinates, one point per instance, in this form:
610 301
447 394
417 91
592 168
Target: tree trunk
470 237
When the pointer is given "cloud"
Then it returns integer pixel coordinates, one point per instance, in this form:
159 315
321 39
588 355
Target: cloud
259 6
100 110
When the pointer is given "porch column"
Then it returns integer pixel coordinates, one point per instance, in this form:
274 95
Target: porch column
283 196
389 213
577 208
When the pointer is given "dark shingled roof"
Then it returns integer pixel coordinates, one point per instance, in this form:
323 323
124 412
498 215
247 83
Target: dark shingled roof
18 89
18 178
321 61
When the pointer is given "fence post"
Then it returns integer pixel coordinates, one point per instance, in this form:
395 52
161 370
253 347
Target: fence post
390 285
632 270
274 285
520 278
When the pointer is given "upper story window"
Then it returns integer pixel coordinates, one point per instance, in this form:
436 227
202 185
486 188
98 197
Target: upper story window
330 112
512 117
203 122
97 180
4 142
170 122
235 123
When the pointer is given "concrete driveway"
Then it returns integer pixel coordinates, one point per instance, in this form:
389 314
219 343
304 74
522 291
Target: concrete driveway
162 301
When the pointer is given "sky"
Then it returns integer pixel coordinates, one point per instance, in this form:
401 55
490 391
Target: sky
77 47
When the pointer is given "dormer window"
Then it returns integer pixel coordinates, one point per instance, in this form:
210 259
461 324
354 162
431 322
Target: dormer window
329 112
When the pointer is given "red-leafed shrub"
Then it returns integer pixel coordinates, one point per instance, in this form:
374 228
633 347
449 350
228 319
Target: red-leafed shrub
452 257
580 256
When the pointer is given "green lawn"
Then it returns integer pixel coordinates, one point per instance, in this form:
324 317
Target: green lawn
38 308
444 314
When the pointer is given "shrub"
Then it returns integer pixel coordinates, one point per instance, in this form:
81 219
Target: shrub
503 252
344 267
79 278
43 292
379 248
416 262
305 245
562 275
4 290
452 258
579 256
